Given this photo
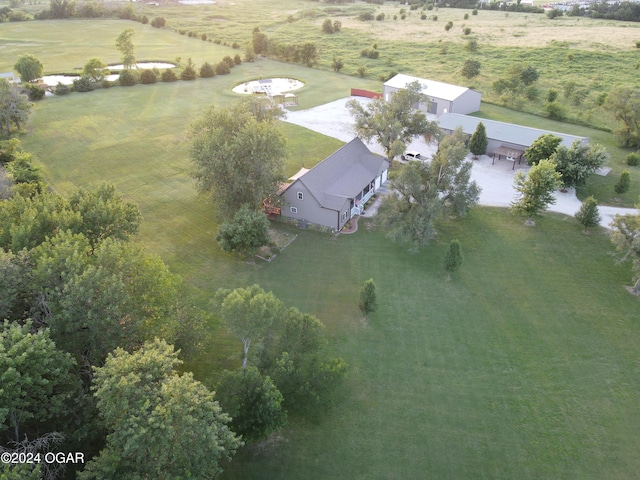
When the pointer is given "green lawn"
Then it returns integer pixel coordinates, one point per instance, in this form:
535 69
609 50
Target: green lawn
525 365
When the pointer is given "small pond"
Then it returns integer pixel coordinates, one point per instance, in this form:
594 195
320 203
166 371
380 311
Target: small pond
145 65
53 80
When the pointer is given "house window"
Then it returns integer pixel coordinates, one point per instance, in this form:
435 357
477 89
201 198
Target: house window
344 214
300 196
293 209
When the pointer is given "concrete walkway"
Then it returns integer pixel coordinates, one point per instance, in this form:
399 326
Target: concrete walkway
496 180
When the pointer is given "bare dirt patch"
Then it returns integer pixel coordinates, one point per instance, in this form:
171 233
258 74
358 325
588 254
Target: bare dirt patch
279 241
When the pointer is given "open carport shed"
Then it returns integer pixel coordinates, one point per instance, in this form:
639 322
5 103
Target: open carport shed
503 137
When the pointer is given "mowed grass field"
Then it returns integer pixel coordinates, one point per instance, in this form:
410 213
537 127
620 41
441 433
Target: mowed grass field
525 365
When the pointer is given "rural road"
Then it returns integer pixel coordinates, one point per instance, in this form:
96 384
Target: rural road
334 120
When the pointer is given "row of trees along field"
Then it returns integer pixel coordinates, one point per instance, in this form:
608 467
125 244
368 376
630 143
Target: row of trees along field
87 357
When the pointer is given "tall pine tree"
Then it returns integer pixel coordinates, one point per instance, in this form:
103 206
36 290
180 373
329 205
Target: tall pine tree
479 142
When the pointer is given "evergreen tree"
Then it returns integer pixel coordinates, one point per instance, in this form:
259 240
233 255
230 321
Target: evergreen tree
368 301
479 142
453 258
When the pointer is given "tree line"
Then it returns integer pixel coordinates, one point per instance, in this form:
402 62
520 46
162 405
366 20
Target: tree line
93 331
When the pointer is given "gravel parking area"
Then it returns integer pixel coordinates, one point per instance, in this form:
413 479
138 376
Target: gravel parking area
496 180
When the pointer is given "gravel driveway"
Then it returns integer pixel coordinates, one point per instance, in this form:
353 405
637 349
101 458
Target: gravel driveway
334 120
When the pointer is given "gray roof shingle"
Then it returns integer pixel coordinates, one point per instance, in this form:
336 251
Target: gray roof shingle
343 174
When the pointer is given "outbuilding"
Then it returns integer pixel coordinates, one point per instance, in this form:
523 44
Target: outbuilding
506 140
443 97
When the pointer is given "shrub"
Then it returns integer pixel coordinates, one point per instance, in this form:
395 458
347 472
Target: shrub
61 89
552 95
471 45
532 92
106 83
236 59
467 31
148 77
448 26
222 68
229 61
207 70
127 78
380 17
362 71
160 22
366 16
327 26
555 111
83 85
474 11
466 16
168 76
35 92
189 72
435 18
235 45
633 159
551 14
144 20
337 26
423 16
623 183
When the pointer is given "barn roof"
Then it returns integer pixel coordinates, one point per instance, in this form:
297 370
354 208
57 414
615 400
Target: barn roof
504 132
445 91
343 174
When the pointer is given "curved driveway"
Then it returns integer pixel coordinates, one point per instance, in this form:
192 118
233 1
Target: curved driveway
496 180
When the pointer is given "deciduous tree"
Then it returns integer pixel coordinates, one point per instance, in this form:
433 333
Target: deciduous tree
253 402
96 299
161 425
542 148
15 108
577 162
37 381
624 102
535 190
238 156
470 68
625 236
588 215
249 313
125 46
248 231
29 67
423 191
394 123
94 69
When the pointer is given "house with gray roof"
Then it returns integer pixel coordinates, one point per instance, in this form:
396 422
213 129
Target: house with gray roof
505 139
443 97
337 188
